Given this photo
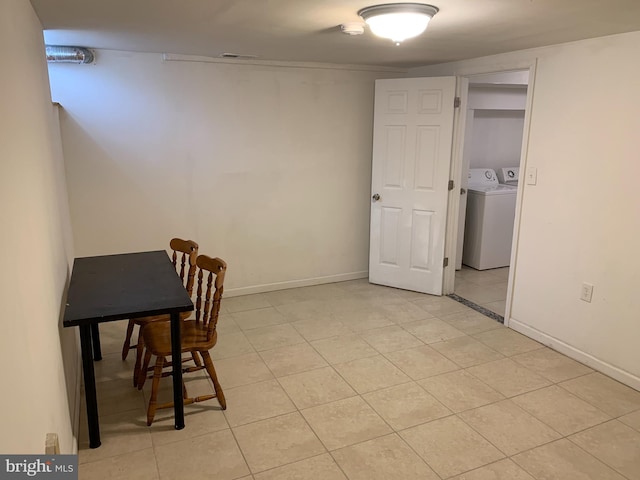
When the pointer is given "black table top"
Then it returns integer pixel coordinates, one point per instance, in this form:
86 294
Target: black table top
130 285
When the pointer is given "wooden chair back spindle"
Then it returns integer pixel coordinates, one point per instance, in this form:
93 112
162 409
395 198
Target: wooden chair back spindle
208 314
187 250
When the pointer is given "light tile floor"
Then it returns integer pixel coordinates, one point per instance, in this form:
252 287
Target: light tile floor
357 381
487 288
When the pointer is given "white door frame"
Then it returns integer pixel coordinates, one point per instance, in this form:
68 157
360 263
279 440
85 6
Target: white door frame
456 172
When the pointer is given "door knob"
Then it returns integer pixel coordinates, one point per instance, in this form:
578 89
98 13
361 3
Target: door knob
462 191
376 197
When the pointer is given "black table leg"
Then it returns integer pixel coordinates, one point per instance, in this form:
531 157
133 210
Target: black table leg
90 386
176 359
95 338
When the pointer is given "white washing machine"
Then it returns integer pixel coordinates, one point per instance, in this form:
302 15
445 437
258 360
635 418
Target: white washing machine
488 230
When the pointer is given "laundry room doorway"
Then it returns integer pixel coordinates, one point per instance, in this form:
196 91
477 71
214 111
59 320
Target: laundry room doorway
495 119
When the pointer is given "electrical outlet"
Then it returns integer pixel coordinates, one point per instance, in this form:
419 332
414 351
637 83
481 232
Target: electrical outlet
586 292
532 176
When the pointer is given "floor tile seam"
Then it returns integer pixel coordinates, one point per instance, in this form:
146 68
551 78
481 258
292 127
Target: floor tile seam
468 366
244 458
313 369
403 326
528 351
338 363
355 392
244 330
111 457
558 382
410 380
512 457
426 461
598 459
280 346
407 374
397 430
519 365
594 426
360 442
562 435
235 355
347 381
480 406
487 465
495 389
464 367
252 309
102 417
282 414
270 469
505 454
131 450
315 434
365 403
421 378
576 394
421 424
393 433
570 394
397 350
448 321
316 339
178 440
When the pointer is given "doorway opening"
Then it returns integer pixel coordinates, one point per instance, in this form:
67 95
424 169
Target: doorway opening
490 171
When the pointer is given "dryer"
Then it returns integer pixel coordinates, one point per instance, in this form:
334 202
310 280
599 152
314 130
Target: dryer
508 175
488 230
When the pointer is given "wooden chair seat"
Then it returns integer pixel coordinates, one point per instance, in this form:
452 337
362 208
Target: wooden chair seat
157 337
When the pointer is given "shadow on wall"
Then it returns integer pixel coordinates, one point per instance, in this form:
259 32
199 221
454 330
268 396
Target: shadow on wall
70 351
116 204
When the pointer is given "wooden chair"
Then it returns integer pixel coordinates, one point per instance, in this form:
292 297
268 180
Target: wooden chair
183 251
198 336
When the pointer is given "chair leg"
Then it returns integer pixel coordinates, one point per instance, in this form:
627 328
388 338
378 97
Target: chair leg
127 341
196 359
157 375
212 373
139 352
142 374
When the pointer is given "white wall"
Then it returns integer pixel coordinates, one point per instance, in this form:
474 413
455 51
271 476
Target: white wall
496 138
496 98
266 166
39 358
581 222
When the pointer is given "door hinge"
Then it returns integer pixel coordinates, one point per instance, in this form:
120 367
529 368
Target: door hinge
445 263
450 187
456 102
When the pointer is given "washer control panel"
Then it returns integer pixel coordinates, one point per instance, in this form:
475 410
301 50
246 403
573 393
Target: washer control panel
482 177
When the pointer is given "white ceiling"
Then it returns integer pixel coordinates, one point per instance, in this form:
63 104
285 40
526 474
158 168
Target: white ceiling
308 30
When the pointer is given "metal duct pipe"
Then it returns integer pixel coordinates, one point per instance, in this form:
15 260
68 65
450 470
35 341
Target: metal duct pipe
59 54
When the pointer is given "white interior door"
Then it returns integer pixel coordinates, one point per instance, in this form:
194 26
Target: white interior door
412 138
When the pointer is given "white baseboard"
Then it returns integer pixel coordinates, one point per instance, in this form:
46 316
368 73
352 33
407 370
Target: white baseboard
270 287
572 352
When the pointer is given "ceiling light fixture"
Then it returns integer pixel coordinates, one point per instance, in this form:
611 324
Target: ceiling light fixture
398 21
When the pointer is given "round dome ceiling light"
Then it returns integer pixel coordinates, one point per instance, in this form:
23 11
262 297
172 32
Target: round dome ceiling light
398 21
